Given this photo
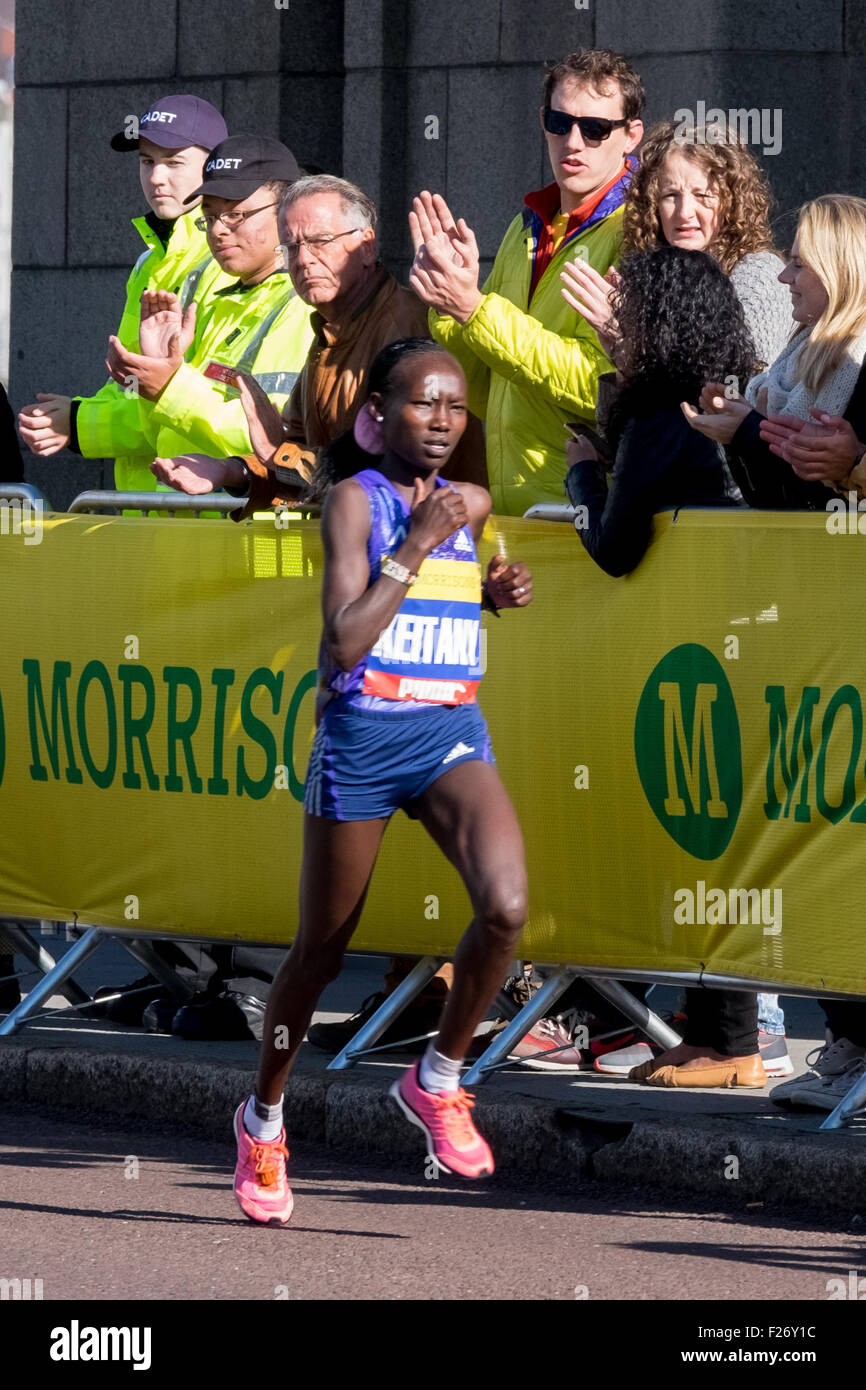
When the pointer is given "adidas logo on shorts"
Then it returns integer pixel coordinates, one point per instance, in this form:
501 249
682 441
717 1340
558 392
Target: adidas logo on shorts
457 752
462 542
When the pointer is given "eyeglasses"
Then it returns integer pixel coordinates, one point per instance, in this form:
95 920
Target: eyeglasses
590 127
317 244
230 220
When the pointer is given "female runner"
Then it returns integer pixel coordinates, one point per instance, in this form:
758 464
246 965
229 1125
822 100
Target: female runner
400 729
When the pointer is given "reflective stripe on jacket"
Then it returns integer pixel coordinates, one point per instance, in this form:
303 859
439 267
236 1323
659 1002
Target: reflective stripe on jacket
262 329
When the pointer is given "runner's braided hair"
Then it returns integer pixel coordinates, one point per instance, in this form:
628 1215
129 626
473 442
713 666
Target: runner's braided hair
344 457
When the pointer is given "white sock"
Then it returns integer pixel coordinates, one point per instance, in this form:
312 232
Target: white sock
263 1122
438 1073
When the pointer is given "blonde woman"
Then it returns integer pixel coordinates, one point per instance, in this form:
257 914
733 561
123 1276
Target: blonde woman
817 380
817 385
701 191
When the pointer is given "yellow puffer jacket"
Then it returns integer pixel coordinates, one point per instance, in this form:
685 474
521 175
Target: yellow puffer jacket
531 367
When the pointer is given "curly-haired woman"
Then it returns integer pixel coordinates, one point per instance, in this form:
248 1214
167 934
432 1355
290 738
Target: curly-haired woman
677 313
700 194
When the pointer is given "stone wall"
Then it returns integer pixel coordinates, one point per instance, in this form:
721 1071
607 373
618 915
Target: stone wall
395 94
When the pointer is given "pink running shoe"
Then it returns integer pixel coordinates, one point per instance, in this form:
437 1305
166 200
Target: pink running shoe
261 1185
451 1136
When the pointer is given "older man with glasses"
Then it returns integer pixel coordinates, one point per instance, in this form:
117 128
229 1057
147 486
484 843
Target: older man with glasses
329 246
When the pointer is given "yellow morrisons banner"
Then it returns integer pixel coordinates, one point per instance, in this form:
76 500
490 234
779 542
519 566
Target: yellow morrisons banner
684 746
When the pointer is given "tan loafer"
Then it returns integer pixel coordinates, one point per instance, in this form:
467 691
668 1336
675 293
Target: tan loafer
735 1071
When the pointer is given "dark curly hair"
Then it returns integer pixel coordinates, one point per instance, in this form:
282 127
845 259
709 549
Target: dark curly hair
344 457
742 187
681 325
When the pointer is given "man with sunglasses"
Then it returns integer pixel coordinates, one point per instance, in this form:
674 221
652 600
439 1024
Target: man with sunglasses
257 324
531 361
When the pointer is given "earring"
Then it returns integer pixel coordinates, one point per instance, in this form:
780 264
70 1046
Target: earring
367 430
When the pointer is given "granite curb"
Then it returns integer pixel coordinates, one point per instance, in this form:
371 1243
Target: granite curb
352 1111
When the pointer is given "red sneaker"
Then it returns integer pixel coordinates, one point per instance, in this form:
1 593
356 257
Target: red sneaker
549 1047
261 1186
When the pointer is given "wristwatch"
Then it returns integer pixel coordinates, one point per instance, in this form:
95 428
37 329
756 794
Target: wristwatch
849 482
394 570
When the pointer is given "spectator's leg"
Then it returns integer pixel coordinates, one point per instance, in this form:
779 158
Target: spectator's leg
736 1018
846 1019
10 994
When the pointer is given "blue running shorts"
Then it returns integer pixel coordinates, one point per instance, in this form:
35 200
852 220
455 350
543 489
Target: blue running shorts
367 763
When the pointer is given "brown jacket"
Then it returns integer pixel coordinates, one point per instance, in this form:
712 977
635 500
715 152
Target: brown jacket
332 385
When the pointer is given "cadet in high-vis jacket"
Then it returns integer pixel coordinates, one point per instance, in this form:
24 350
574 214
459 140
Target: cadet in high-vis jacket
175 136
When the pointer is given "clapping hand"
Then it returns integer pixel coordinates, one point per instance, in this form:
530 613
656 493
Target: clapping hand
45 425
591 295
264 421
720 416
444 273
197 473
823 449
165 331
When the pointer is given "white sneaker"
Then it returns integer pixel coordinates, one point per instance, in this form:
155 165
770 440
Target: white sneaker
830 1062
620 1062
825 1092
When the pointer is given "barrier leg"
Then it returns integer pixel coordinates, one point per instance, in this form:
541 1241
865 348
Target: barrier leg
87 943
24 945
146 956
538 1007
848 1106
635 1011
386 1014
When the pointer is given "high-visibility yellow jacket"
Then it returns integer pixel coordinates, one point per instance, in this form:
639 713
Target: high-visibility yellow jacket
108 424
263 329
531 364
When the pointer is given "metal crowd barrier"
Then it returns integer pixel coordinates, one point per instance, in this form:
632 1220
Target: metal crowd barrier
174 503
24 492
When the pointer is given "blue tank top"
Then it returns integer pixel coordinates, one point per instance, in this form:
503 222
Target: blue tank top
430 651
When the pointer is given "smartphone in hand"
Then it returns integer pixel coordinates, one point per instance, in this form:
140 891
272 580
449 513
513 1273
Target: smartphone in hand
578 430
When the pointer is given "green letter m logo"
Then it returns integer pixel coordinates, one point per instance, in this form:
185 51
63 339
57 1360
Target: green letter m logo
687 748
690 757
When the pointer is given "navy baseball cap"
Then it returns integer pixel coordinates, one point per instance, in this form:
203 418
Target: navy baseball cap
239 165
176 123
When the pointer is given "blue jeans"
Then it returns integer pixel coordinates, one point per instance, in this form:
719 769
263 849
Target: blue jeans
771 1019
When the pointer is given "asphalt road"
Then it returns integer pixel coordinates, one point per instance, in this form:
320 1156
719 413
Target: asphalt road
110 1210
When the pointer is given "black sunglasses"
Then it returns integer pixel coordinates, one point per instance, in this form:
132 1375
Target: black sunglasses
591 127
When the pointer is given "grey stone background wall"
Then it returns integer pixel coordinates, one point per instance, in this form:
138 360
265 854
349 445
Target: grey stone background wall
350 85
